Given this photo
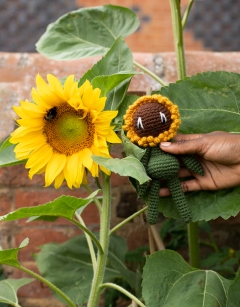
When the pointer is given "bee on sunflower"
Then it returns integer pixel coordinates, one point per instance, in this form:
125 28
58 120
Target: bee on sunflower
61 129
149 121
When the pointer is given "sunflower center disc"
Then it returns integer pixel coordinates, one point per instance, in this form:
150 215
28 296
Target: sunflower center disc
67 132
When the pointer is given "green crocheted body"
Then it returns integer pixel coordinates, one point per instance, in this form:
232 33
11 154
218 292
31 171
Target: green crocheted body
159 166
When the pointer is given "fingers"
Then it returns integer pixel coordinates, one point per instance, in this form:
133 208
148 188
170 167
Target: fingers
187 186
182 147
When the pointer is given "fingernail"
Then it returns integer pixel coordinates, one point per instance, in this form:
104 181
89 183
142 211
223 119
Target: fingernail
165 144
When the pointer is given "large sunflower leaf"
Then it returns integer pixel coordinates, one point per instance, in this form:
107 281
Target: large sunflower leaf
10 256
207 102
129 166
123 106
68 266
118 60
107 83
63 206
87 32
9 288
233 299
7 155
175 283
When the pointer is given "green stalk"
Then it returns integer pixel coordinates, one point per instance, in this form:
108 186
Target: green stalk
89 242
104 241
181 68
124 291
150 73
127 220
48 283
178 38
186 13
193 242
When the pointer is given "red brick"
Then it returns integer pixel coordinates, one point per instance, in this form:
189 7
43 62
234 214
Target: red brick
40 236
6 198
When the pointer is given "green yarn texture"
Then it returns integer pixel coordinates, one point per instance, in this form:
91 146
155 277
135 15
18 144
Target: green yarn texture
160 165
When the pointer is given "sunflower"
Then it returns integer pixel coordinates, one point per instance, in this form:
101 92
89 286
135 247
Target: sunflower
60 131
151 120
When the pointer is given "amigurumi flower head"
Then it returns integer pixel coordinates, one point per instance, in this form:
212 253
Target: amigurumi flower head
151 120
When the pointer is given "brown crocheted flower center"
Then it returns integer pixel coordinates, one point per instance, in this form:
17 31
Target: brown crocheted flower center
151 119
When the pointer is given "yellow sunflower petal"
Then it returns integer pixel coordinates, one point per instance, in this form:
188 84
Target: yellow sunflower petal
39 159
59 180
113 138
86 159
54 167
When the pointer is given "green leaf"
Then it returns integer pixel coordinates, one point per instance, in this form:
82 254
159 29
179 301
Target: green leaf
123 106
87 32
233 299
130 148
116 257
118 58
68 266
9 288
207 102
129 166
117 61
64 206
107 83
5 144
206 205
9 256
7 155
175 283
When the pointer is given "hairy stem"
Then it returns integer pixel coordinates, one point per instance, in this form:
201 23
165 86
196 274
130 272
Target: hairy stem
178 38
186 13
104 241
128 220
124 291
49 284
150 73
89 242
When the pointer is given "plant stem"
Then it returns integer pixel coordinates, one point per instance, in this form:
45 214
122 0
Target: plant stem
178 38
193 243
49 284
91 235
150 73
128 220
186 13
181 68
89 242
124 291
104 241
97 202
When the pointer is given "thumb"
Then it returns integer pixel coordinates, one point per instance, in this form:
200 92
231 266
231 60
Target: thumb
184 147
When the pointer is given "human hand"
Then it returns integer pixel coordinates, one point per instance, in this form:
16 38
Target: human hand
219 154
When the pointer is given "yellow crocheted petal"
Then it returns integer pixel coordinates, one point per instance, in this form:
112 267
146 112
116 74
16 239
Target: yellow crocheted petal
150 140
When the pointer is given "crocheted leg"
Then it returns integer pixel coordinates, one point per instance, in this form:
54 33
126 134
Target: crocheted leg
179 199
193 164
153 201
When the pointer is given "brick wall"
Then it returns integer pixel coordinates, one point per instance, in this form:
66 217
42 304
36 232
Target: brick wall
17 77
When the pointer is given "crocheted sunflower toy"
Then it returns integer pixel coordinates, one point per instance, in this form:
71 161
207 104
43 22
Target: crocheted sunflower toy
149 121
